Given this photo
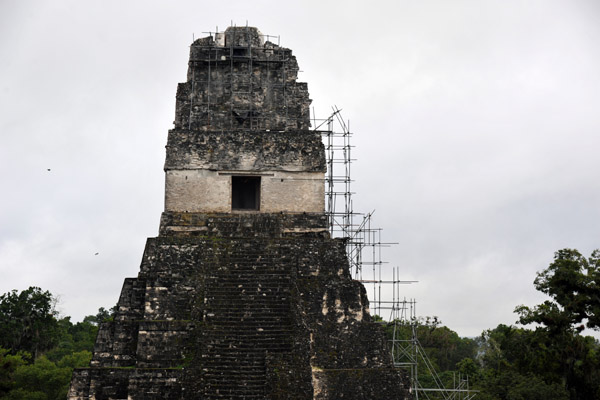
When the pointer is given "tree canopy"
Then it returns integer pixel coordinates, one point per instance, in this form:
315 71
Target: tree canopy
573 283
550 361
39 350
28 321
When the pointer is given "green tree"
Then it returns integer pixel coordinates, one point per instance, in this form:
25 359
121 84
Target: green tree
511 385
28 321
443 348
518 363
73 338
8 365
573 284
41 380
29 326
442 345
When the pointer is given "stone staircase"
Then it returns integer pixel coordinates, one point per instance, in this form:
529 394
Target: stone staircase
246 315
240 318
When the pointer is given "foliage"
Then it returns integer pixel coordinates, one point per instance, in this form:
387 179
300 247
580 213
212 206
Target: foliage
511 385
550 361
38 351
509 354
573 283
28 321
43 379
8 365
73 338
444 348
103 315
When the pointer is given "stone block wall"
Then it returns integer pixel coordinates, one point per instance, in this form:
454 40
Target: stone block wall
241 82
243 225
200 165
241 317
204 191
290 151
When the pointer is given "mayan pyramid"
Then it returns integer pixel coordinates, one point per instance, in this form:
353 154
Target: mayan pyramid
243 294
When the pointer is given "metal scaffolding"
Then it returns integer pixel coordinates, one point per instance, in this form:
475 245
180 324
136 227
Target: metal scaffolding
242 84
363 240
364 249
409 354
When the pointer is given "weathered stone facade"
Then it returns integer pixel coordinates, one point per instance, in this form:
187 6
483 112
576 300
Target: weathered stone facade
249 297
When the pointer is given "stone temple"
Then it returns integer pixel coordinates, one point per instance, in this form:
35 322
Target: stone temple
243 294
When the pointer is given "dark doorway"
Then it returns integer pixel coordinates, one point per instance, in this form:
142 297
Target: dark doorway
245 192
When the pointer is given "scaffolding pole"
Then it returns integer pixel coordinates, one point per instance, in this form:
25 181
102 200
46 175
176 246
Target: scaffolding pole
364 251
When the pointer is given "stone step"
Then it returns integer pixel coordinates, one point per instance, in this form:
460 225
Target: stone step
256 366
235 373
220 394
250 282
231 386
247 266
227 396
248 328
258 325
247 316
223 356
248 272
255 330
273 280
258 330
243 293
266 339
230 379
267 311
239 290
232 372
236 290
242 258
244 395
240 370
220 353
239 294
250 348
248 304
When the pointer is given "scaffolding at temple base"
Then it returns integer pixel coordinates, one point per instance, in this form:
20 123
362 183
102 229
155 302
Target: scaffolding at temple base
364 250
409 354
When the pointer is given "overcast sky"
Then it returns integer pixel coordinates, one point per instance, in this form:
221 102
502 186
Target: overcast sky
476 125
